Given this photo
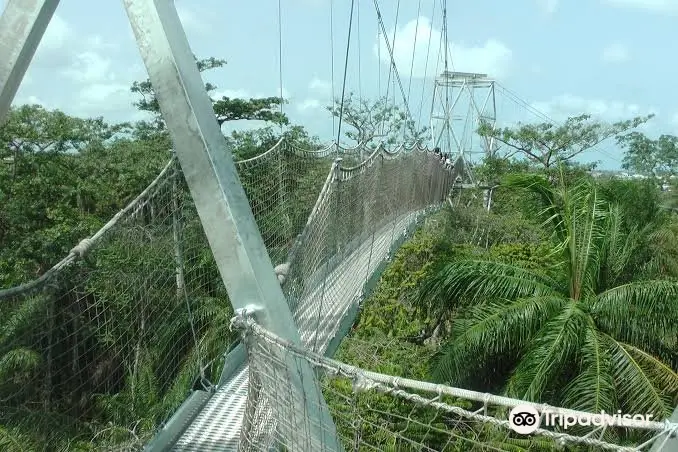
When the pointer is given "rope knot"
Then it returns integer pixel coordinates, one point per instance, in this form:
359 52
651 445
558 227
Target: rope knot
242 320
83 247
361 384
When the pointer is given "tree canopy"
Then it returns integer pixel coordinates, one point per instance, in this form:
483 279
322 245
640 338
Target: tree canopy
548 144
225 108
374 122
563 293
650 157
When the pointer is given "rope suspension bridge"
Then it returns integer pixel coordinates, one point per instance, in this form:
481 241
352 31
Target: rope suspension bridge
261 266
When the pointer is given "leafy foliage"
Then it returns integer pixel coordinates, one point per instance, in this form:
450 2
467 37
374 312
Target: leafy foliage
588 323
225 108
375 122
109 350
651 157
561 293
391 311
547 144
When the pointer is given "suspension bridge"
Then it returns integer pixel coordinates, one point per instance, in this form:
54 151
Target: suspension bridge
281 249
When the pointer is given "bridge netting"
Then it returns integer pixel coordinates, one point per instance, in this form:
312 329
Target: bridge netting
107 343
377 412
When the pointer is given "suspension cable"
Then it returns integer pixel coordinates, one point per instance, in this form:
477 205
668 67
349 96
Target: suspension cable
414 50
343 87
511 95
280 59
390 67
390 51
395 30
414 54
360 47
428 52
448 50
334 118
379 59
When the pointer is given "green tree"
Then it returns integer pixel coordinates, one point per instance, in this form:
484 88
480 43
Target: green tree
585 335
56 178
30 129
547 144
650 157
374 122
225 108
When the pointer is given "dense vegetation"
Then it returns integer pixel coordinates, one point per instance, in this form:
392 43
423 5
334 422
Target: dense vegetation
562 290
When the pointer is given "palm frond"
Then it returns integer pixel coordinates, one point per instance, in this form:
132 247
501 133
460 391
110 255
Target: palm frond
534 444
593 389
13 441
476 280
662 246
637 310
18 363
617 249
497 327
645 385
23 316
585 218
549 212
554 347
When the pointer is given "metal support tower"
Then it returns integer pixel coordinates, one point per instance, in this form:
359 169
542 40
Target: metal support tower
208 167
475 95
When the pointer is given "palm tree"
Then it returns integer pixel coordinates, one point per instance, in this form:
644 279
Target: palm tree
585 334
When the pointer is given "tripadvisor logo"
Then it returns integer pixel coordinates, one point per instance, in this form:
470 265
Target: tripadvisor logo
525 419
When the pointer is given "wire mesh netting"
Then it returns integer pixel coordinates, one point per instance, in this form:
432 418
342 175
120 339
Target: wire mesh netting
377 412
360 213
109 341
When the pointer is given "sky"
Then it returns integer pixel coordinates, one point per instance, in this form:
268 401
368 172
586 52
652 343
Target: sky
609 58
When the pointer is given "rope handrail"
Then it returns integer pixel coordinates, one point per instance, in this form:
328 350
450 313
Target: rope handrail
79 251
263 154
365 380
87 243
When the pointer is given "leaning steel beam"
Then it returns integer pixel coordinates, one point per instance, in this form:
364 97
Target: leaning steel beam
220 199
22 25
667 443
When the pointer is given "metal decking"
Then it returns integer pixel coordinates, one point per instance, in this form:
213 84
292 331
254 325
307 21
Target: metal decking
217 426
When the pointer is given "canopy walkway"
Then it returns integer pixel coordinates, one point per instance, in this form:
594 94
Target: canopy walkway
217 297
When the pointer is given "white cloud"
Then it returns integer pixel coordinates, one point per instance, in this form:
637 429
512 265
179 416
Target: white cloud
57 34
561 107
309 104
54 46
548 6
189 19
320 87
492 58
88 70
651 5
32 100
615 53
90 67
231 94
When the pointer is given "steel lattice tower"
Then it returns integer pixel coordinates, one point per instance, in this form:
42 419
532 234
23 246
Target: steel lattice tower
461 102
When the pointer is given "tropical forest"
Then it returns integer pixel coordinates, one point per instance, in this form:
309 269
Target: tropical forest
548 281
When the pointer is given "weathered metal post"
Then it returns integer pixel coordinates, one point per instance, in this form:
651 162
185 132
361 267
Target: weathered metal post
22 25
221 202
208 167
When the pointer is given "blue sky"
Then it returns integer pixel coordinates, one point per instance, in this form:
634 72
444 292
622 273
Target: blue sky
611 58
